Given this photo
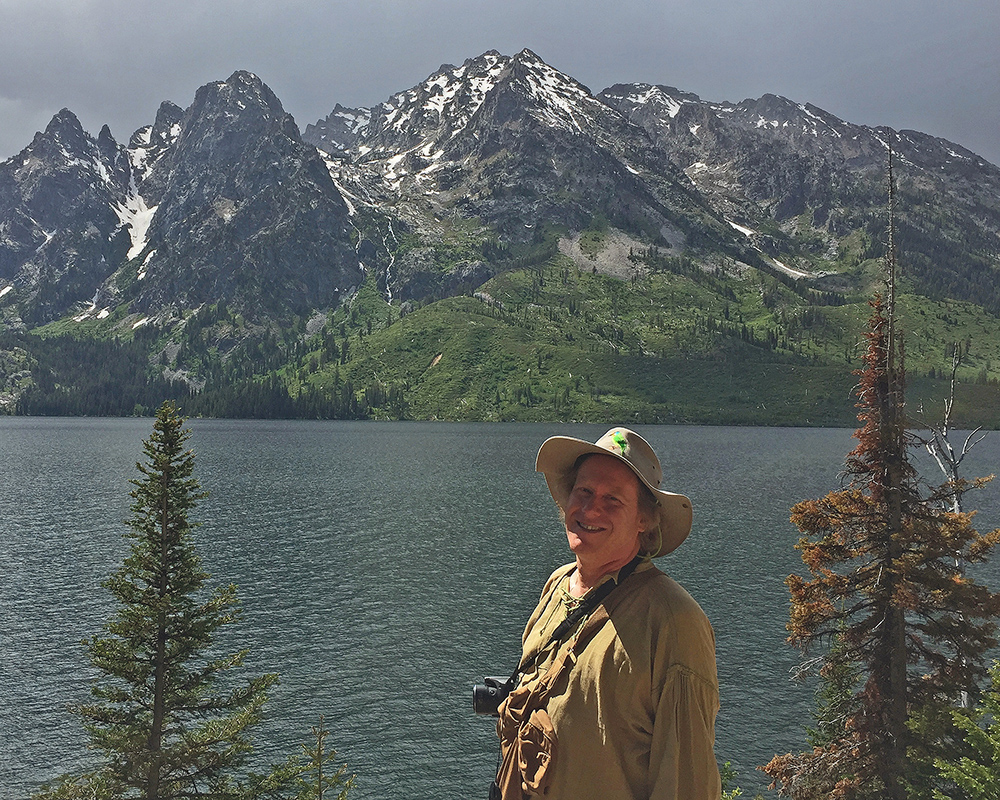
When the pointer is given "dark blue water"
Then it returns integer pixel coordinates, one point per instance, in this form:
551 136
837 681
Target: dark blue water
384 568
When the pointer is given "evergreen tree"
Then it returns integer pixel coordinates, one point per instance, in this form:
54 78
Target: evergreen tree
976 776
158 718
838 683
311 775
886 596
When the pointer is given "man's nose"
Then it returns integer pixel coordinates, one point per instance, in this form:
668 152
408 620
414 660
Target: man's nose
590 505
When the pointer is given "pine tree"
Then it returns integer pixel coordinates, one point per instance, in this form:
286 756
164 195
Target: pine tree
158 719
977 775
311 775
886 596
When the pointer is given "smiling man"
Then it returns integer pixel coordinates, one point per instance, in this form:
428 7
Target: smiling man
616 693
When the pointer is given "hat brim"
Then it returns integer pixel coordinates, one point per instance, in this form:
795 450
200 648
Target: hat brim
558 455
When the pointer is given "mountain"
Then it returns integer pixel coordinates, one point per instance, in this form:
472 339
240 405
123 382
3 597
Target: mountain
60 226
509 145
221 202
245 211
770 161
495 242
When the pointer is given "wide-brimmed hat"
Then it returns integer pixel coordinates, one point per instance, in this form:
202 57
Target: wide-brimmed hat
558 456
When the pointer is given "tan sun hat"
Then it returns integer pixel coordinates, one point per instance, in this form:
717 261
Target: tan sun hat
558 456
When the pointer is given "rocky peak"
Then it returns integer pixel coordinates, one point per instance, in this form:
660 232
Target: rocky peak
65 130
426 117
338 132
58 228
232 194
66 150
548 96
106 141
243 102
149 144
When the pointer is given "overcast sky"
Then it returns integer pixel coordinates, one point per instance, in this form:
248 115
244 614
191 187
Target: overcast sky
927 65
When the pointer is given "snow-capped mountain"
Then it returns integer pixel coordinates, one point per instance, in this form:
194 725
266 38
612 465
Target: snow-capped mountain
773 165
222 201
61 229
514 145
225 200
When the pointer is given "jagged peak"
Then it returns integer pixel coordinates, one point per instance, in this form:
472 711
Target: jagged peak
65 132
168 114
239 90
107 144
148 144
64 120
246 77
528 56
544 77
434 99
105 137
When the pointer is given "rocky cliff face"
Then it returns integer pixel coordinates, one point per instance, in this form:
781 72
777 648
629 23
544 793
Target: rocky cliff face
61 230
239 208
222 201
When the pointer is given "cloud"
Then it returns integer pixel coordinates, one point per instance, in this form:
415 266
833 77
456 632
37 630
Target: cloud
905 63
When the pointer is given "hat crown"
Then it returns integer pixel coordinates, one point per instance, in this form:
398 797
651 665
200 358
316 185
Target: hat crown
633 448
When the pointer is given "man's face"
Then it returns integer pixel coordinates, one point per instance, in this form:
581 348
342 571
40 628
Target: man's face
602 514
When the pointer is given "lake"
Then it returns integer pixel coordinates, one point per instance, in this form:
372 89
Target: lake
383 569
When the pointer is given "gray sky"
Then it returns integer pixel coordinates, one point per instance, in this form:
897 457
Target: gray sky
922 64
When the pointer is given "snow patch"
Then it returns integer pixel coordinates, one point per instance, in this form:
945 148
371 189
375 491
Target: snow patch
145 263
561 97
654 94
140 323
356 121
5 290
137 216
347 196
49 236
745 231
795 273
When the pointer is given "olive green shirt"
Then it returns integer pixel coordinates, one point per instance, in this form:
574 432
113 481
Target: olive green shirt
634 716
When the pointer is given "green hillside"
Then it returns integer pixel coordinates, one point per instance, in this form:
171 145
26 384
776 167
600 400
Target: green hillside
679 344
661 340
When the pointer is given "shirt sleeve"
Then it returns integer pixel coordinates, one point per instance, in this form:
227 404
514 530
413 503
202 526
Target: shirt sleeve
682 756
682 760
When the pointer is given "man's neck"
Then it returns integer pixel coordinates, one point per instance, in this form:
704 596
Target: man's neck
588 575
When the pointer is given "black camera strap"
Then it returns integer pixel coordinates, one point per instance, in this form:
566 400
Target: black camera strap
588 603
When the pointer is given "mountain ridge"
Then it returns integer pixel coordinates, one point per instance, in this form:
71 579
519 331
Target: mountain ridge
221 240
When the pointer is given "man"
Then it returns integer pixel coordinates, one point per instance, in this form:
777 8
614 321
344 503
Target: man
622 705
